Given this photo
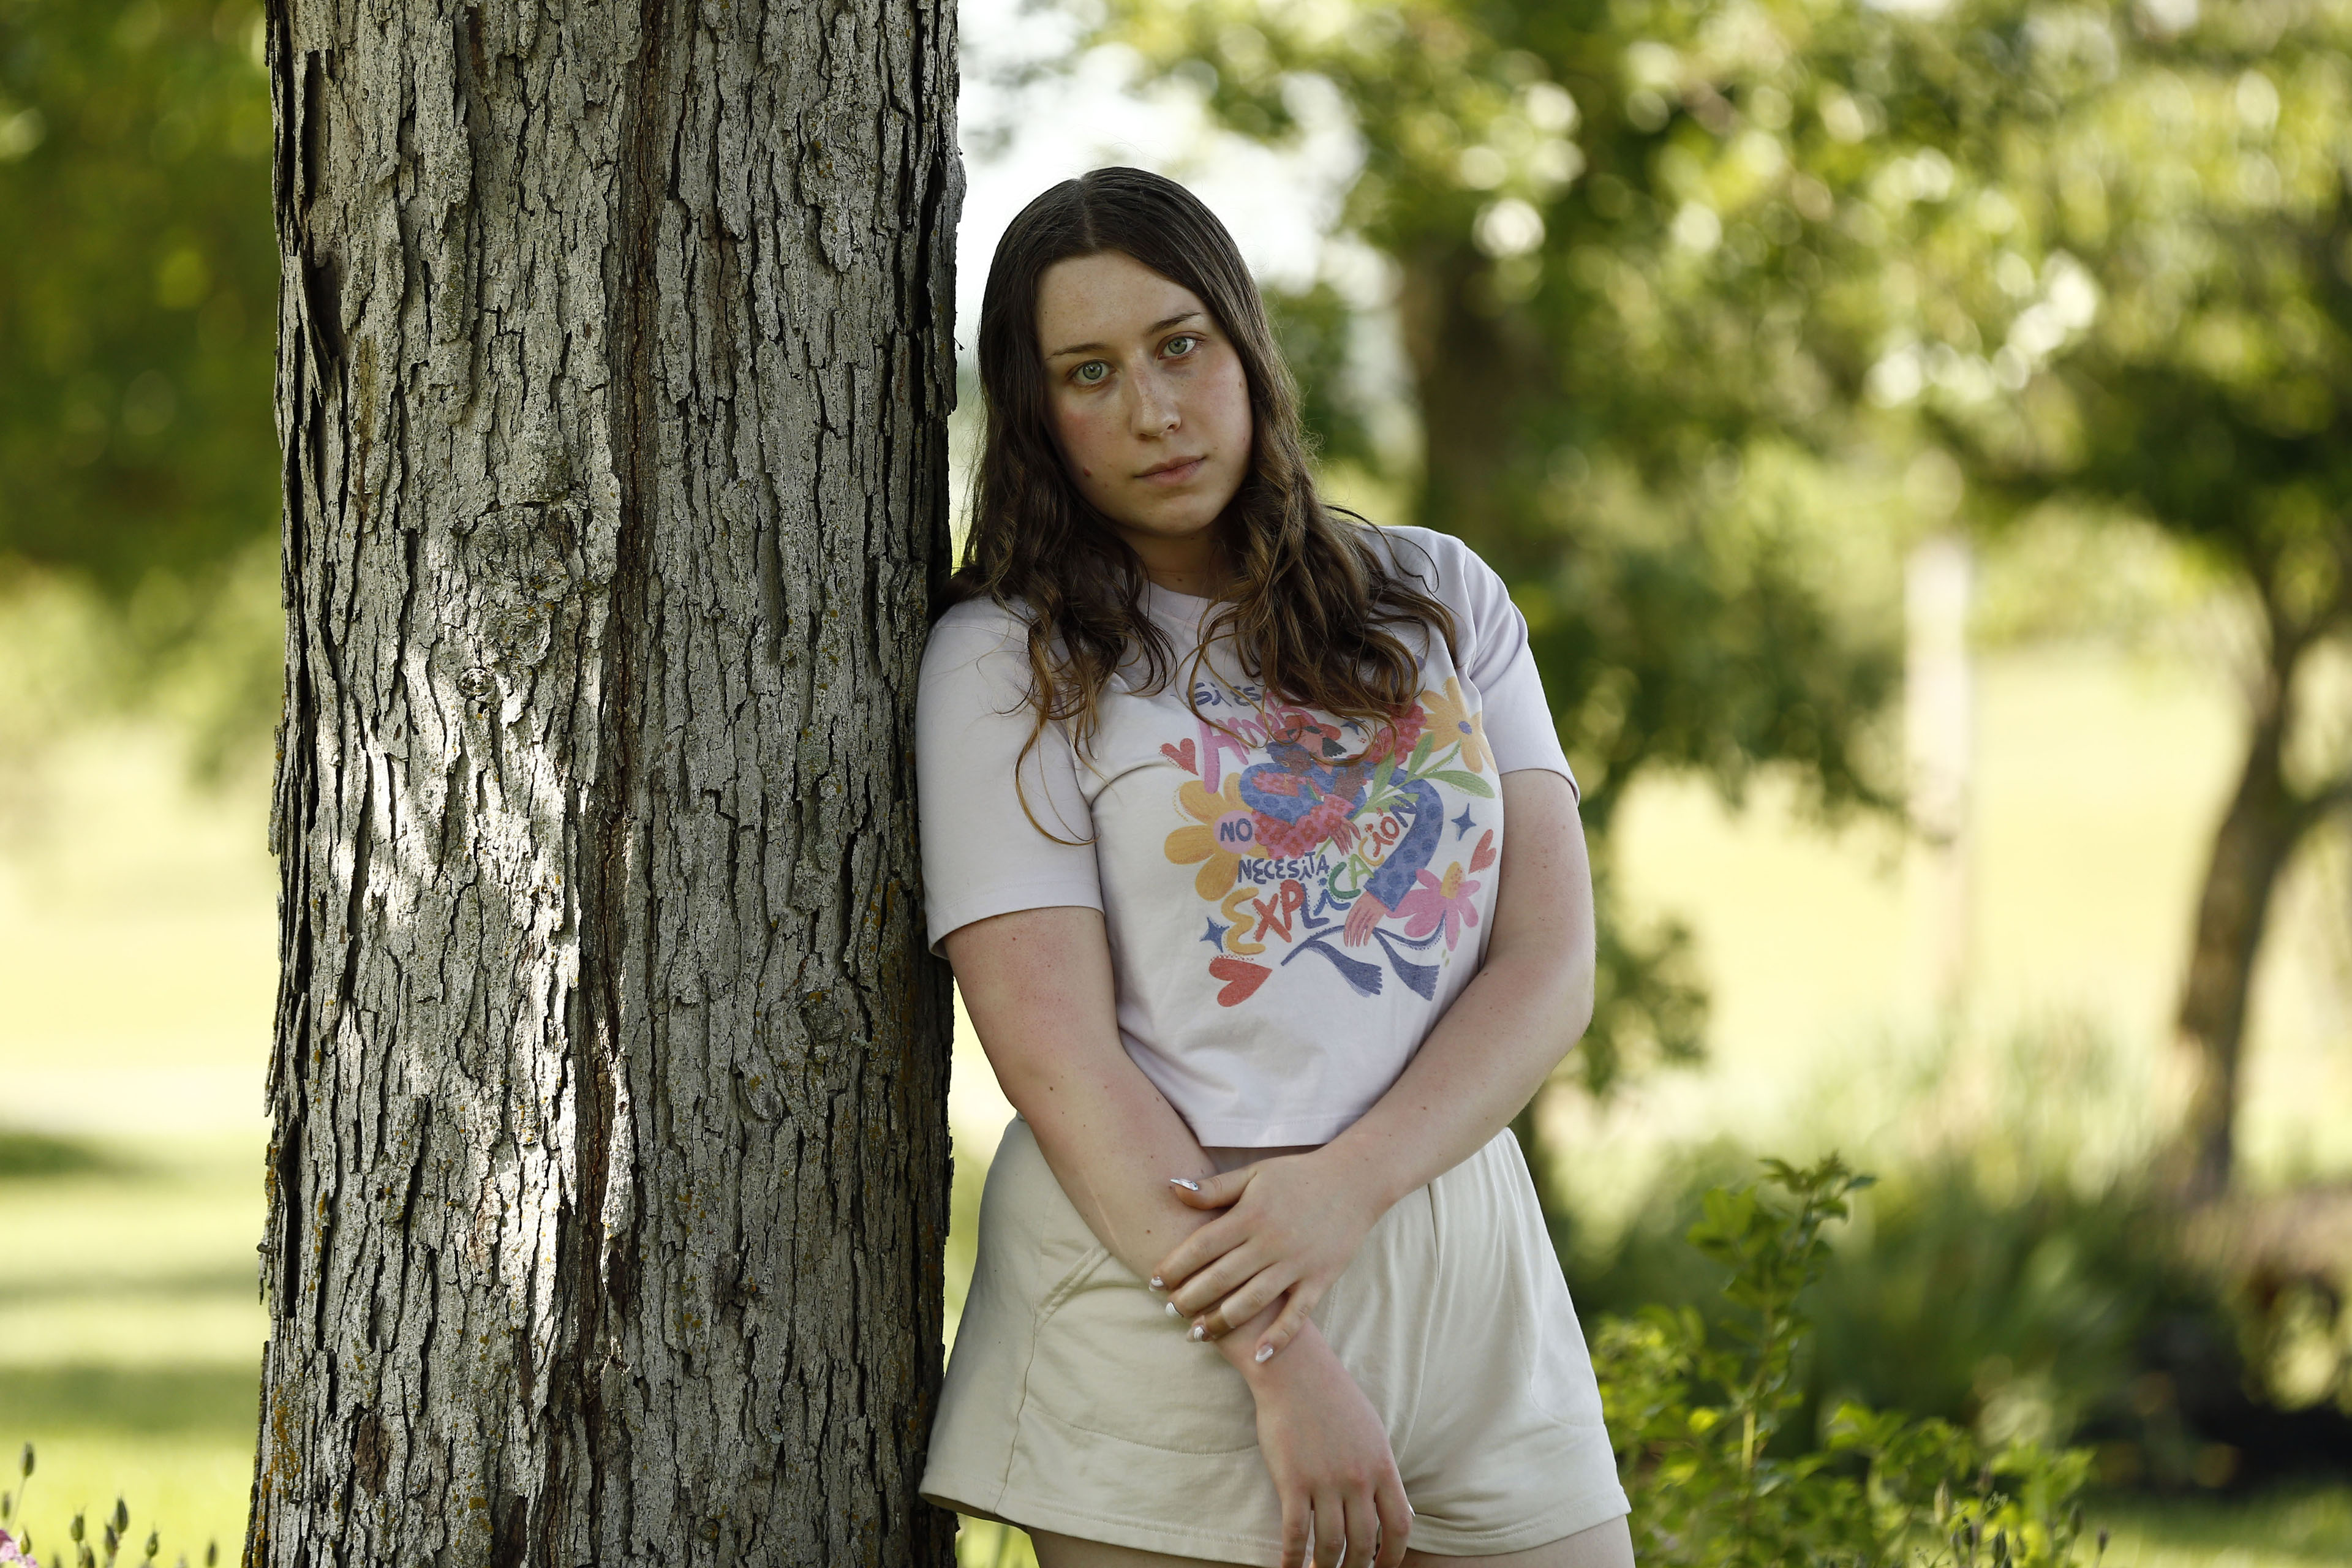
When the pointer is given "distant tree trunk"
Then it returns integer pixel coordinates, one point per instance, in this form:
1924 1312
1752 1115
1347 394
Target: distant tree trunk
2258 834
609 1178
1476 374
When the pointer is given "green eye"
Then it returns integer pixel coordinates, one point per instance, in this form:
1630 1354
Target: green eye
1181 344
1091 373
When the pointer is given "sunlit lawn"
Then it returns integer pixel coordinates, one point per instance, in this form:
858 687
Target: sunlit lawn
135 978
131 1338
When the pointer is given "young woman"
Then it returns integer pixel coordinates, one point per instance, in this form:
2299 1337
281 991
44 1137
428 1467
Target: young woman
1215 785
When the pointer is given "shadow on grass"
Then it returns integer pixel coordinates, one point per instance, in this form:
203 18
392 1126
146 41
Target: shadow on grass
186 1286
26 1155
160 1401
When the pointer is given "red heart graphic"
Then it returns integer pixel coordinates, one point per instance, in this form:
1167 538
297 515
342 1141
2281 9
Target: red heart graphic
1181 755
1483 856
1241 979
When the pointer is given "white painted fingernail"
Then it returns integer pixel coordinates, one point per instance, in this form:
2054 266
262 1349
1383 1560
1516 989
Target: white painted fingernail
1185 1182
1172 1312
1198 1334
1158 1283
1264 1355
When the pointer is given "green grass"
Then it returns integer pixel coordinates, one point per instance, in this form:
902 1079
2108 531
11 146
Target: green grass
129 1334
2303 1527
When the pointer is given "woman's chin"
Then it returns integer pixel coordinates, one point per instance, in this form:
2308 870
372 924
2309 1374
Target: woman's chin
1170 525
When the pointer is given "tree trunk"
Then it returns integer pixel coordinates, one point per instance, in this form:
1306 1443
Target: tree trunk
609 1178
1476 373
2258 833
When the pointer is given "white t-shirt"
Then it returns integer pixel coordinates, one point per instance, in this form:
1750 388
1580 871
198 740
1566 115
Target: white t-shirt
1292 903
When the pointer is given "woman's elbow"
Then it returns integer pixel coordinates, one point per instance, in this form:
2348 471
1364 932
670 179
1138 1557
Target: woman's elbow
1576 1014
1574 1010
1561 998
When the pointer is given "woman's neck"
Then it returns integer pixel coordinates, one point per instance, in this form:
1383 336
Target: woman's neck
1195 565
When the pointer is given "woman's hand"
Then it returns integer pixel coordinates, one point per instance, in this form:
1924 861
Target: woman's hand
1292 1225
1331 1464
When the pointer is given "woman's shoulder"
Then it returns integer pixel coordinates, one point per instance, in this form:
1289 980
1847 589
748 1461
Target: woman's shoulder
1443 566
980 621
973 632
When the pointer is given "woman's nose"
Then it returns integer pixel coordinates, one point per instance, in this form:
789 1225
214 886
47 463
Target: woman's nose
1154 412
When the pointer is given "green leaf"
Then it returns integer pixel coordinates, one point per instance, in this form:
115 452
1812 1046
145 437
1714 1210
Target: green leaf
1468 784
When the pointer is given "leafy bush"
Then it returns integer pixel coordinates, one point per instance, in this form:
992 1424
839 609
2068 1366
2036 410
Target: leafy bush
2019 1308
1695 1409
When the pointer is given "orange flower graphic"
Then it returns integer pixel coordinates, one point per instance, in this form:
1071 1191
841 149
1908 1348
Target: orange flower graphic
1451 719
1220 837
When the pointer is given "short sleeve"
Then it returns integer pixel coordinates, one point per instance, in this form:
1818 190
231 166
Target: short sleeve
1496 658
983 853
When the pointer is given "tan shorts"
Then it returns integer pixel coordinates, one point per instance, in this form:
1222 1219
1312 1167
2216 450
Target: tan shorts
1074 1404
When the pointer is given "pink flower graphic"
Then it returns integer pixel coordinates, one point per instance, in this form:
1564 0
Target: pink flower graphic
1446 901
1435 904
10 1552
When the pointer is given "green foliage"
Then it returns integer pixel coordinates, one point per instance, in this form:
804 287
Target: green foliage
2020 1274
1719 1475
136 302
2021 1315
1316 328
139 466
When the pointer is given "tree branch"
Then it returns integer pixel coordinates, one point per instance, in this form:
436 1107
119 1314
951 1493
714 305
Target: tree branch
2310 810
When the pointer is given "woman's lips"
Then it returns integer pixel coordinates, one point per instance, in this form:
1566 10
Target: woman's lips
1174 473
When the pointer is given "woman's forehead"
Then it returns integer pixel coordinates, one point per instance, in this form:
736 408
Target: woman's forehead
1095 302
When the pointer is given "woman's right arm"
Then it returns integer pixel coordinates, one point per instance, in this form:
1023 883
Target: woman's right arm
1038 984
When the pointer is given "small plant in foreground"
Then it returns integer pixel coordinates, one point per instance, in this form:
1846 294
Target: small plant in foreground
1695 1416
16 1543
17 1547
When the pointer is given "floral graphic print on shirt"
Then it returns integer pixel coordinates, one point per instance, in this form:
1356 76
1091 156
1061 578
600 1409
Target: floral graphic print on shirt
1361 845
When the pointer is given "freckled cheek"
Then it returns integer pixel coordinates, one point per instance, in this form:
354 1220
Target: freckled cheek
1239 427
1083 443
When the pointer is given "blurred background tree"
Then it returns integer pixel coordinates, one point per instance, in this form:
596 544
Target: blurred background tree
2134 295
138 458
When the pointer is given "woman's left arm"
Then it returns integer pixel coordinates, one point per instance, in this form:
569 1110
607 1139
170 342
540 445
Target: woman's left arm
1292 1224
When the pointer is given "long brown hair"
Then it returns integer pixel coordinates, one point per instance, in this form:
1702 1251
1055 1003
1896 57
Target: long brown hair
1309 611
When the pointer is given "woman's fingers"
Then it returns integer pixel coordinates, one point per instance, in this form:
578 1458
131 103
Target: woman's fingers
1262 1290
1396 1522
1217 1281
1298 1517
1212 1191
1363 1531
1304 1294
1198 1250
1330 1529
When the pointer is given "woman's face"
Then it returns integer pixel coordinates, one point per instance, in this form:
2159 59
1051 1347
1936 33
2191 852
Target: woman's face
1149 401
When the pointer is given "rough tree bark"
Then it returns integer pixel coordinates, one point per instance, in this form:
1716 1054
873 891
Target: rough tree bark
608 1184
